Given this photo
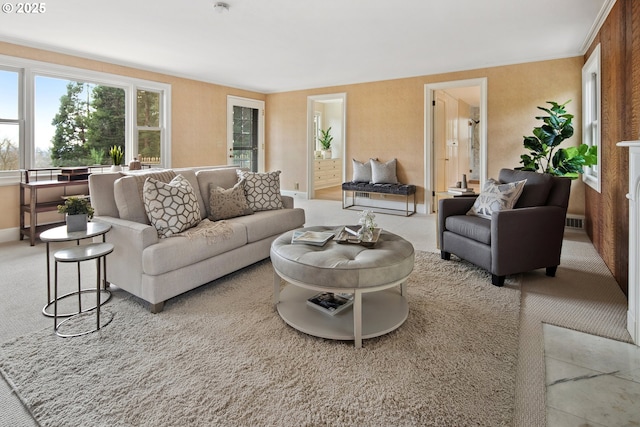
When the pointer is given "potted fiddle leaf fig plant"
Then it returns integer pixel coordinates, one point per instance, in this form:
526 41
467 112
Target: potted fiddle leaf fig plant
116 155
77 212
325 141
544 154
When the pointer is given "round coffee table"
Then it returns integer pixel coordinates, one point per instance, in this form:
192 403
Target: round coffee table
370 274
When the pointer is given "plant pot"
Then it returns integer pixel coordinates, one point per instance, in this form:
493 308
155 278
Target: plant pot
116 168
76 222
326 154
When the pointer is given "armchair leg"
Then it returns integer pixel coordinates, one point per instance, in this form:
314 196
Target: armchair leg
551 271
445 255
497 280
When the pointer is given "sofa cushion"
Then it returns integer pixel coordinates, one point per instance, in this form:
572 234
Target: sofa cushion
127 192
262 190
535 191
496 197
472 227
270 223
383 173
219 177
172 207
178 251
227 203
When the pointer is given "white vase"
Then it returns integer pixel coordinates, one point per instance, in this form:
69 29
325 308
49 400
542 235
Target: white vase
116 168
76 222
326 154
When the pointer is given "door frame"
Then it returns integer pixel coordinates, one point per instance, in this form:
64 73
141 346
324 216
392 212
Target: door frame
310 141
249 103
429 169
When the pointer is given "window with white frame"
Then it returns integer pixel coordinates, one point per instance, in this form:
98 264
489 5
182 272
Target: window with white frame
591 115
58 116
10 118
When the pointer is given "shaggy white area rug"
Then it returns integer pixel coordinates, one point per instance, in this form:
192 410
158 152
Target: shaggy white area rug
221 355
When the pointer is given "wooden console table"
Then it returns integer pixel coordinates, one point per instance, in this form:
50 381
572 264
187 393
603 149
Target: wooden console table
31 205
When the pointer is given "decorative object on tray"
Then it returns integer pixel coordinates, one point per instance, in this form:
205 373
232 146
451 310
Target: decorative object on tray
316 238
367 226
349 234
77 212
331 303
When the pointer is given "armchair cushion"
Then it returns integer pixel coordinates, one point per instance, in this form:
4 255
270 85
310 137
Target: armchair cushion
536 190
496 197
472 227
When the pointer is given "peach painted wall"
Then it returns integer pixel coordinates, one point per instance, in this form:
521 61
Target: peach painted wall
199 114
386 119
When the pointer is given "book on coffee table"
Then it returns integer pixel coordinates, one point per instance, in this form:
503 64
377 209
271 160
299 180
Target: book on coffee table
317 238
331 303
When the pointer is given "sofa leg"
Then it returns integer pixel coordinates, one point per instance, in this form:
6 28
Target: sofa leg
497 280
156 308
445 255
551 271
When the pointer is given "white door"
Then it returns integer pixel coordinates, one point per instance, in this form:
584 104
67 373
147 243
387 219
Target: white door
245 133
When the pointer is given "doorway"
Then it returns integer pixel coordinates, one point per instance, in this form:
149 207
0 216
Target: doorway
455 136
326 114
245 133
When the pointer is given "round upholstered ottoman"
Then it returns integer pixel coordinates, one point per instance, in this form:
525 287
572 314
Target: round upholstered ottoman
375 278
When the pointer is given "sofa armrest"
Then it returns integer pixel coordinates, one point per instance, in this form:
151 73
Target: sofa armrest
533 234
287 202
124 266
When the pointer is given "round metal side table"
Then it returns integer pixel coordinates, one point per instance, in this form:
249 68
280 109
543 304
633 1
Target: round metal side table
78 254
60 234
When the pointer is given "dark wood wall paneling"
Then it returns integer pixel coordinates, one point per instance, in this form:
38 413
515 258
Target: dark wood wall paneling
607 213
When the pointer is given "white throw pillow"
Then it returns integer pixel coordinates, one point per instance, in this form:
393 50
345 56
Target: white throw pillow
496 197
262 190
171 207
383 173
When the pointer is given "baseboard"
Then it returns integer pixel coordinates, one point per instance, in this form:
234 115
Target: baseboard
295 194
9 234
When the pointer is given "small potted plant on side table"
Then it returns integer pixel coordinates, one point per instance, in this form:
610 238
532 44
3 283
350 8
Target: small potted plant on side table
77 212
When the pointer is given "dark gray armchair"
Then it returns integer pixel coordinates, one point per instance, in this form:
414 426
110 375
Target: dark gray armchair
525 238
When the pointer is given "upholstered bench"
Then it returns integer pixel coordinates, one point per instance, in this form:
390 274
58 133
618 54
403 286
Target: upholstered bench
362 190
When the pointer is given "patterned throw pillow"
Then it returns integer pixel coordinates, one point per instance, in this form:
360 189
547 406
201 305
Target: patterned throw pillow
171 207
496 197
228 203
383 173
262 190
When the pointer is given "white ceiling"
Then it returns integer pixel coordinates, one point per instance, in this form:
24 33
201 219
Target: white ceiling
281 45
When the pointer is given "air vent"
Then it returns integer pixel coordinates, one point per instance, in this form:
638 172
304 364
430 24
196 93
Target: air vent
361 194
575 222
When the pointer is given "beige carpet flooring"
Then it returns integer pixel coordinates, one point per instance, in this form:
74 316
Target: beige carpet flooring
220 355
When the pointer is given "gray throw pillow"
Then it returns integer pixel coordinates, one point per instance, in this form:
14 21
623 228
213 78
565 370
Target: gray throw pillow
228 203
361 171
383 173
171 207
496 197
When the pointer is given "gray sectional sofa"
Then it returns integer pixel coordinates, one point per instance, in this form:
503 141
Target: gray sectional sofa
156 269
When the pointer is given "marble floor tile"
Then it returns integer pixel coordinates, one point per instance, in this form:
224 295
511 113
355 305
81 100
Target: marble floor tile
591 381
556 418
590 351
